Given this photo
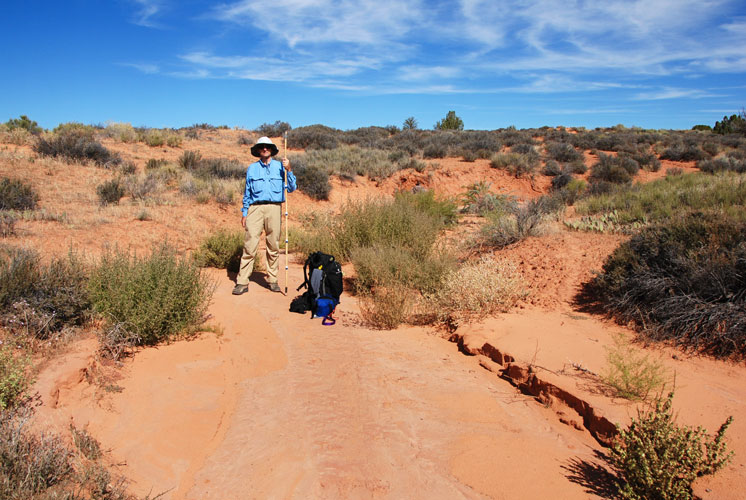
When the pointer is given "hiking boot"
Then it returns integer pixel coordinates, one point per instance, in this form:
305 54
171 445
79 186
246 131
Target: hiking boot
274 287
240 289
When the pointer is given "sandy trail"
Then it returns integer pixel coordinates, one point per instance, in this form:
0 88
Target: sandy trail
279 406
358 413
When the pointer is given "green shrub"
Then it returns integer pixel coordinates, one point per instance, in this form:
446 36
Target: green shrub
442 209
173 140
76 145
517 164
660 199
153 137
156 297
655 458
17 195
153 163
123 132
478 200
563 152
450 122
503 229
722 164
682 281
614 170
410 123
684 152
276 129
221 250
190 159
14 377
25 123
388 266
314 137
630 374
733 124
110 192
311 180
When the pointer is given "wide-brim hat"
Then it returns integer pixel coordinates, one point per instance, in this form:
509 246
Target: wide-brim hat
264 141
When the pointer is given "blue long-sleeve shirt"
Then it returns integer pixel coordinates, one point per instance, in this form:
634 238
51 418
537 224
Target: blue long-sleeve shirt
264 183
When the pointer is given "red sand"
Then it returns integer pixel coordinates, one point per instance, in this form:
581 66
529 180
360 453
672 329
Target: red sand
276 405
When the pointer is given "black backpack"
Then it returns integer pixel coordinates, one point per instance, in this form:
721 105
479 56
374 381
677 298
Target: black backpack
323 282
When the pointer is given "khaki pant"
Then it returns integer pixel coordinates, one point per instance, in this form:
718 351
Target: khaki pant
260 218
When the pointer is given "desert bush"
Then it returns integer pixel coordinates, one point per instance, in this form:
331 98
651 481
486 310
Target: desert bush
116 341
387 307
38 301
517 164
18 136
24 123
155 297
647 161
30 463
173 140
142 187
219 168
350 161
15 379
17 195
7 224
221 250
682 281
76 145
610 169
562 152
722 164
478 200
630 374
552 168
110 192
189 160
397 222
570 192
123 132
503 229
75 128
276 129
155 163
660 199
389 266
655 458
442 209
476 289
684 152
435 151
315 137
154 137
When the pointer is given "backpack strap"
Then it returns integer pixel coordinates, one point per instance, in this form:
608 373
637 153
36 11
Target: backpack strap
329 319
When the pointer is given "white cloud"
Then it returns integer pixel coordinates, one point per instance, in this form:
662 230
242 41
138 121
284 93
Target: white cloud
148 10
147 68
672 93
451 46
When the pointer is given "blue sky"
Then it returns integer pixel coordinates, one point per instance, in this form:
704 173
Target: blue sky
349 64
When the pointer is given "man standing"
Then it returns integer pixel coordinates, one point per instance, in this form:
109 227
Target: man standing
262 201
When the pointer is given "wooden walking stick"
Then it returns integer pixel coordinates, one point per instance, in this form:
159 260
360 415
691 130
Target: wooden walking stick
285 175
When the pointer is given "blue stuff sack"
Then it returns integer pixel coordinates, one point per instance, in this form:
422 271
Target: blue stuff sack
324 307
